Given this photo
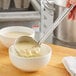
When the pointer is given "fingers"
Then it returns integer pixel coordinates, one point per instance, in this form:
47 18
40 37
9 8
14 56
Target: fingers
72 14
73 2
68 3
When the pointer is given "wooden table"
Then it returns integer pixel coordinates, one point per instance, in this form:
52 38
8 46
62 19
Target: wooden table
54 68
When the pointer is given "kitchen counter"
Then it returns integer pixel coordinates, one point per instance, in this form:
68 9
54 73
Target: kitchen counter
54 68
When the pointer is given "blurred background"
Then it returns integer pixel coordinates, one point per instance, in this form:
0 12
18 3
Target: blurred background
28 13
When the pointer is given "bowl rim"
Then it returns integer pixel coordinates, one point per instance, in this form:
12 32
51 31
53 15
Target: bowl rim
50 52
8 27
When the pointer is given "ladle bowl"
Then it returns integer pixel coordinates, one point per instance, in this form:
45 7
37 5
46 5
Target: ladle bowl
27 46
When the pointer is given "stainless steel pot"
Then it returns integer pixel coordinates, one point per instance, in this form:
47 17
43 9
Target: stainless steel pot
66 31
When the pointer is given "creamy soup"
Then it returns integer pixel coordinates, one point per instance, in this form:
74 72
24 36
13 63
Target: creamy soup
16 34
27 49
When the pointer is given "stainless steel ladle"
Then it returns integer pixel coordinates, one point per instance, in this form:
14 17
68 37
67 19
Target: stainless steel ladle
50 29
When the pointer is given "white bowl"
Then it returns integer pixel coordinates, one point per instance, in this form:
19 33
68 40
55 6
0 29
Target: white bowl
8 41
31 64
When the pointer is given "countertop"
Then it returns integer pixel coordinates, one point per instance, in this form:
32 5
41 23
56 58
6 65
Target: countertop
54 68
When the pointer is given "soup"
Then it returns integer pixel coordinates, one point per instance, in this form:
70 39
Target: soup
16 34
27 49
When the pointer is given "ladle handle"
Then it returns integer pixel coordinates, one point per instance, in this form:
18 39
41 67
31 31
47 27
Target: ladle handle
55 24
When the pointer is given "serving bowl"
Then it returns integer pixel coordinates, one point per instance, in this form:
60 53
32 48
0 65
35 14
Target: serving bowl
9 40
31 64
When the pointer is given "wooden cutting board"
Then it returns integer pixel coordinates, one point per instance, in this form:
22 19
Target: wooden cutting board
54 68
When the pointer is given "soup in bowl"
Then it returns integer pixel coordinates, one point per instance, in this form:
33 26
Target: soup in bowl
9 34
31 63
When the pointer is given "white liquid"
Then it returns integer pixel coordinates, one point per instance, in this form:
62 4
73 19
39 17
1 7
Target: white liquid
16 34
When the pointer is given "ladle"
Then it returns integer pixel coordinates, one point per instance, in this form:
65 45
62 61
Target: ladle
26 46
50 29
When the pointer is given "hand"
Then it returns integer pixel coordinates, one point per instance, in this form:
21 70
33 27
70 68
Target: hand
72 14
72 2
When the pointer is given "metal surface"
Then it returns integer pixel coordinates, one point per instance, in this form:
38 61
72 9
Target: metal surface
14 5
66 31
20 16
65 44
36 4
47 15
55 24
